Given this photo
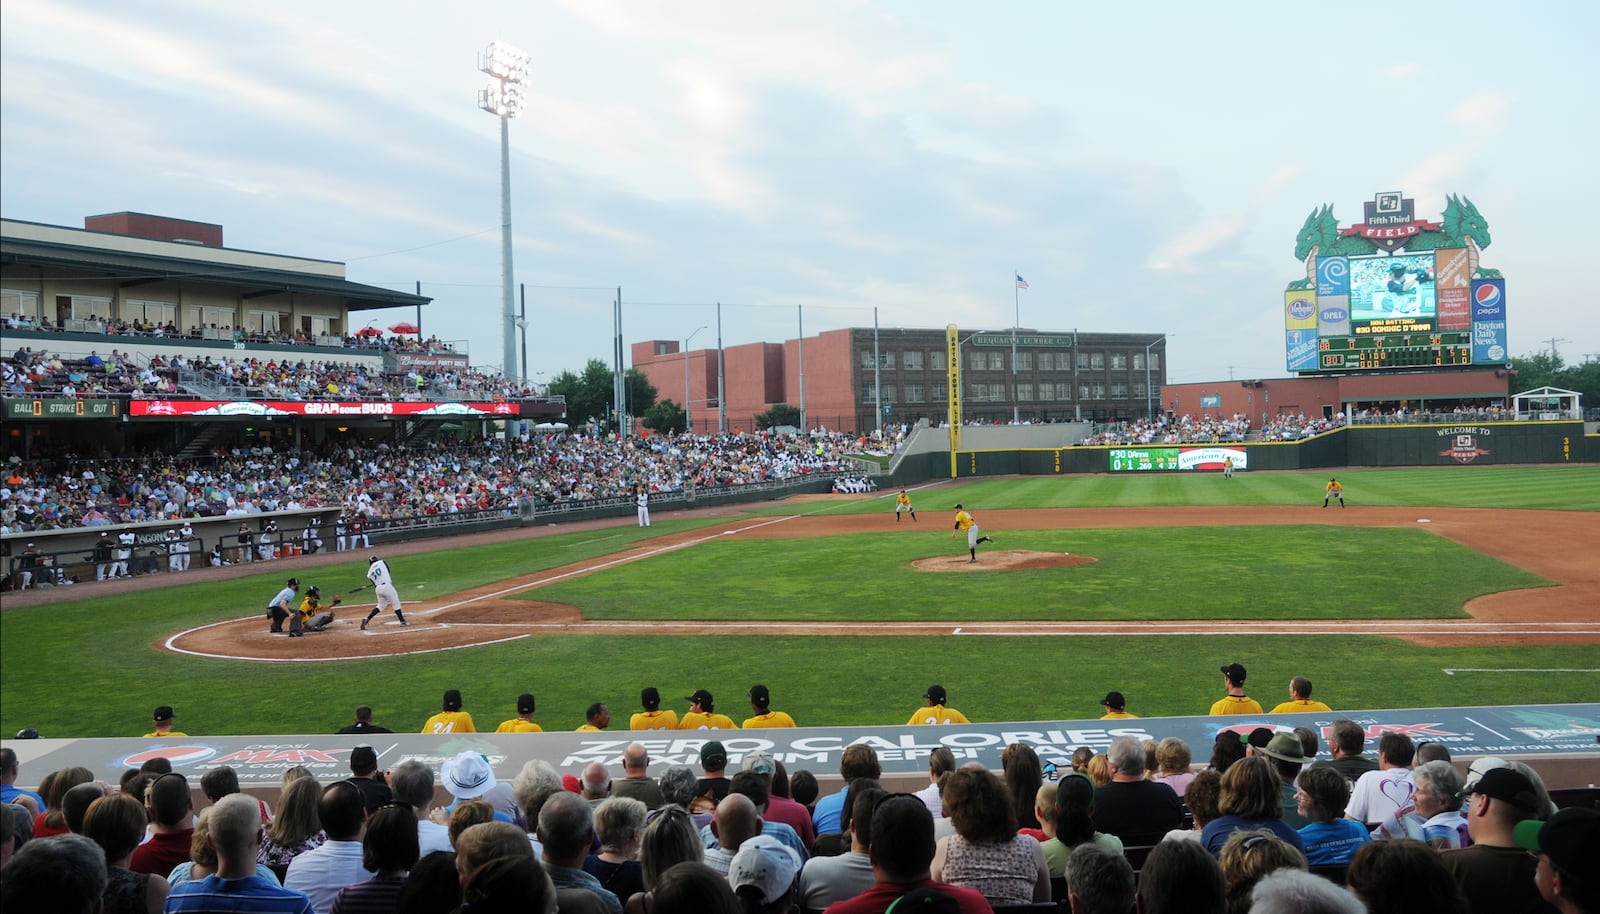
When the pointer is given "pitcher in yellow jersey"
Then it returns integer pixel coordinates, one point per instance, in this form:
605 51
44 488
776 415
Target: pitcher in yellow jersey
965 521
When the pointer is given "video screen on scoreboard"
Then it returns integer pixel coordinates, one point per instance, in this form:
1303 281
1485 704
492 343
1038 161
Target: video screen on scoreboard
1385 288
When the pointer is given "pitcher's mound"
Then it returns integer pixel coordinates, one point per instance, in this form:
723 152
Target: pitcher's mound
1002 560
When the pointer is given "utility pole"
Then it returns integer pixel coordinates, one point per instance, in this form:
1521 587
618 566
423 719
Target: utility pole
1554 355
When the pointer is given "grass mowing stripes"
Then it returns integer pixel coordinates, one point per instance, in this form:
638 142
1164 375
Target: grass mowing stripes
1245 573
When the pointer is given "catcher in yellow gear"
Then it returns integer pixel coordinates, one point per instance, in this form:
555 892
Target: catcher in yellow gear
314 614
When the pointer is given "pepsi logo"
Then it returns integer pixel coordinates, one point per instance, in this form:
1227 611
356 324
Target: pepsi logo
1334 315
177 755
1487 296
1301 308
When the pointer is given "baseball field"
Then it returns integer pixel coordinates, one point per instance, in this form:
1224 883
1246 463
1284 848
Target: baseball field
1459 586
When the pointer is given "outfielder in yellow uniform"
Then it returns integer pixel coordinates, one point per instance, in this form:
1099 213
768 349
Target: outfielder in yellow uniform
902 502
1333 490
965 521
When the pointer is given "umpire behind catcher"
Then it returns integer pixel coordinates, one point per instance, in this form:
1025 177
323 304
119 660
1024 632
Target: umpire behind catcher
282 607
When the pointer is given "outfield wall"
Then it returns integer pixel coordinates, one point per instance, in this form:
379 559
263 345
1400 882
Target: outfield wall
1478 444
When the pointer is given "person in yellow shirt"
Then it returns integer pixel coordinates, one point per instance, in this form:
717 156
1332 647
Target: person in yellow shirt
523 722
596 718
902 503
1235 702
1334 489
967 522
1300 699
652 717
164 722
1116 707
451 719
761 703
936 712
702 714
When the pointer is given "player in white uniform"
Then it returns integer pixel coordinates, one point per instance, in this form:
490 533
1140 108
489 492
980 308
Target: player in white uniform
383 586
642 499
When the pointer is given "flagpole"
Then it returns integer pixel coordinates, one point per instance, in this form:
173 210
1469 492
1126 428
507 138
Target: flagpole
1016 318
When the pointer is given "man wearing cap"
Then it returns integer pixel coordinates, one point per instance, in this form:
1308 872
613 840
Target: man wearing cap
102 557
935 712
366 778
1568 844
451 719
1300 699
123 552
652 717
636 783
1495 875
596 718
523 722
1235 702
1287 756
1346 739
1116 707
902 851
779 809
322 871
714 783
164 723
1377 795
761 703
281 607
702 714
766 872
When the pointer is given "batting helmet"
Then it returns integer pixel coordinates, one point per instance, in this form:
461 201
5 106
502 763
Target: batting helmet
371 559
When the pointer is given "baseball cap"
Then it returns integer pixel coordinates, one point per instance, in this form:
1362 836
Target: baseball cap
162 714
924 901
760 696
1235 672
571 784
650 698
452 700
363 758
1480 767
935 694
1509 785
1568 838
1114 701
700 696
713 755
759 762
764 862
467 776
1285 747
1259 737
525 703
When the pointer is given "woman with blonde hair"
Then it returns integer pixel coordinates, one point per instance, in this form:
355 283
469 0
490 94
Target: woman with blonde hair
1172 761
668 840
619 821
296 828
1099 769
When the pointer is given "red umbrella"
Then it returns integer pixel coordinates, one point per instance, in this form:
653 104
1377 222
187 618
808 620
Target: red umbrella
369 331
404 327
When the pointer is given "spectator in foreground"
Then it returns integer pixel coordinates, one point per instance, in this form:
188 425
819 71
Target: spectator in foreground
941 761
1566 844
1099 881
235 829
1250 800
566 829
764 876
902 851
116 823
296 828
388 849
169 805
1377 795
1202 797
1134 809
1180 877
1495 874
1247 857
826 880
669 839
1173 761
509 885
1023 775
1408 877
694 888
857 761
986 853
1345 742
1436 819
1073 823
322 871
620 824
64 876
412 783
1329 838
202 860
1294 892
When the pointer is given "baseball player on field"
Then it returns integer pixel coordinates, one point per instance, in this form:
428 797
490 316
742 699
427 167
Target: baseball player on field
642 499
1333 490
314 614
965 521
902 502
383 586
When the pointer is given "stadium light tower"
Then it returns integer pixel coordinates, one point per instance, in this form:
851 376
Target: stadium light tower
688 423
504 98
1147 398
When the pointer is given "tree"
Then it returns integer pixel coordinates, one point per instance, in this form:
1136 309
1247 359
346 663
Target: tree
590 395
664 418
779 414
1539 369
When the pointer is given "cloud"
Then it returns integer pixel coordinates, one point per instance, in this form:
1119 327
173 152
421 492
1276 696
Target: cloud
1484 112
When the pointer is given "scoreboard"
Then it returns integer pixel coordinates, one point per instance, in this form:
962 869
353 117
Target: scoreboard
1148 458
1395 350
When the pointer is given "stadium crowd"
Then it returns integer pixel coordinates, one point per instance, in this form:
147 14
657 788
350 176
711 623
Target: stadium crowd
1205 429
1270 824
364 338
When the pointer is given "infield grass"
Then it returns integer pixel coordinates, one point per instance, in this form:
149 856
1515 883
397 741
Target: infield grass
94 666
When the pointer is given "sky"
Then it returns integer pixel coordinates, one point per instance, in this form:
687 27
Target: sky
1144 167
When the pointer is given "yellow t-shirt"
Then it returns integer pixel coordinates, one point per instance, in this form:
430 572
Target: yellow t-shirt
168 733
902 499
938 714
699 720
1300 706
1117 715
1236 704
768 720
518 725
654 720
587 728
450 722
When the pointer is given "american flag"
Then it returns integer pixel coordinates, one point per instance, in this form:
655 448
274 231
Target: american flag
1021 283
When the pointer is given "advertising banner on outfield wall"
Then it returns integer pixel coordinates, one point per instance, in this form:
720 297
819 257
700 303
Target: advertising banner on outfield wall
331 409
1540 730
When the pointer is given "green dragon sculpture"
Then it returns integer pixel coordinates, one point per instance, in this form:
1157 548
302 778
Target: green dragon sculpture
1463 227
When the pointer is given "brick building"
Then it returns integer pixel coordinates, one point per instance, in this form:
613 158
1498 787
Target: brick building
1059 376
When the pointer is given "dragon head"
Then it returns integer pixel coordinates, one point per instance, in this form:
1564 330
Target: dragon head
1462 221
1320 231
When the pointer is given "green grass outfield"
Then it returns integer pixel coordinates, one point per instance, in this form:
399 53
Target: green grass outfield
93 667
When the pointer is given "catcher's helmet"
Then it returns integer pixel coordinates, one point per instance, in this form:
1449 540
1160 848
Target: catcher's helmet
313 591
371 559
